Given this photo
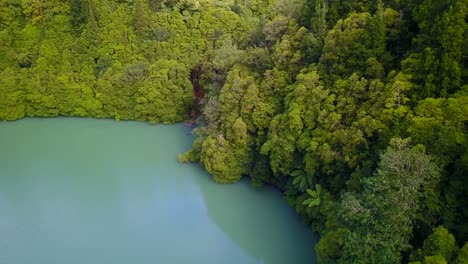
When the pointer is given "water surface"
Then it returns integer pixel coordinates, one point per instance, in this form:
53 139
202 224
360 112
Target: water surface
98 191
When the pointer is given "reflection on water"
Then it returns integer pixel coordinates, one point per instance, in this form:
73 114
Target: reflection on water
97 191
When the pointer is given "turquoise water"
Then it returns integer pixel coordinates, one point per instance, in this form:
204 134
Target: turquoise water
98 191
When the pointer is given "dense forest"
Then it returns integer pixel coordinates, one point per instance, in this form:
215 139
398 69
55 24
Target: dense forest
356 110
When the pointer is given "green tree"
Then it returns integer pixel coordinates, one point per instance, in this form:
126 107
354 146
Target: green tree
380 220
78 15
440 243
436 64
139 22
462 257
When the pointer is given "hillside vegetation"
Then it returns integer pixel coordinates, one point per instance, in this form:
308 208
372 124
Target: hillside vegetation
356 110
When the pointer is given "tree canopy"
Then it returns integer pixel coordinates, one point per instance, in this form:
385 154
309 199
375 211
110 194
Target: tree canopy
356 110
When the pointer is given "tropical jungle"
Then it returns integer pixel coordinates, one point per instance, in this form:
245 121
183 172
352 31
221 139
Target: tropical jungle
357 110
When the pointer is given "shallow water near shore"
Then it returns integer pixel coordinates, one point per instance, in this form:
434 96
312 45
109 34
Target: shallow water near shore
76 190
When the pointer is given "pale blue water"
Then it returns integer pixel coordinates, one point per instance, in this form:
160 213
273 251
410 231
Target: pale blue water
98 191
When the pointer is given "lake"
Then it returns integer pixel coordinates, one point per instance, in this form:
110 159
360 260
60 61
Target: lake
76 190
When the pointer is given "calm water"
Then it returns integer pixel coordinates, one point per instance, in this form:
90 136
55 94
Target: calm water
98 191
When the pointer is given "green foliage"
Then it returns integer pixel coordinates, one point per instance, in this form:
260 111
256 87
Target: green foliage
462 257
105 59
440 243
440 247
436 63
11 100
329 247
388 206
78 14
302 180
230 143
305 95
314 195
437 259
342 81
139 20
